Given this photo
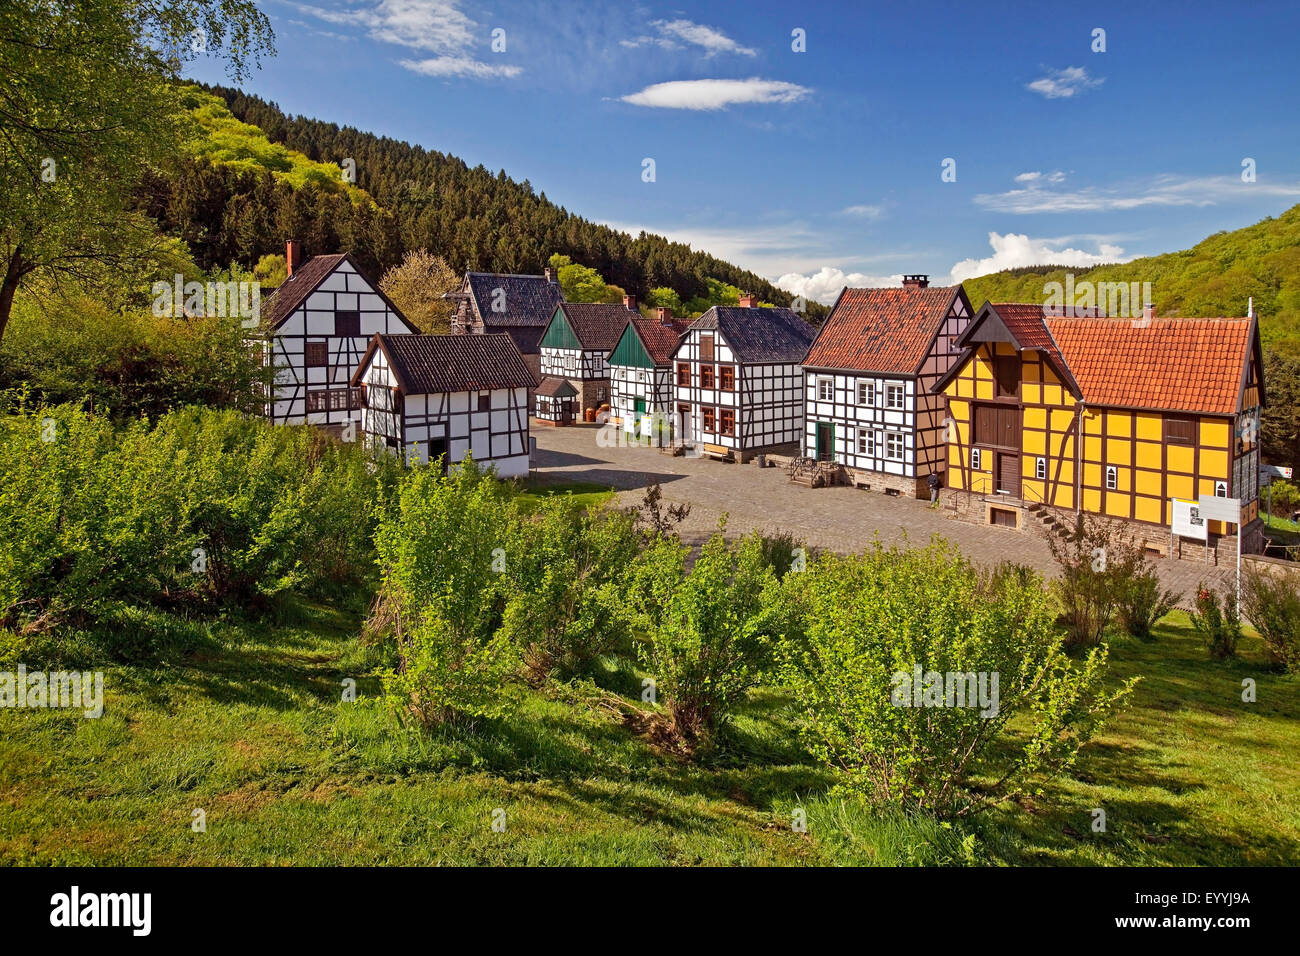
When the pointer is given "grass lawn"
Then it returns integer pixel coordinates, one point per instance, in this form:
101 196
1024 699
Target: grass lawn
585 493
246 723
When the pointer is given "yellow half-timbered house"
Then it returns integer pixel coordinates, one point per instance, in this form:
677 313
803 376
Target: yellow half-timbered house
1117 417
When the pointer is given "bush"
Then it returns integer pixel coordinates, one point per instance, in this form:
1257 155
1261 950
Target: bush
563 570
1097 561
1273 605
987 655
1220 628
440 550
1141 601
704 631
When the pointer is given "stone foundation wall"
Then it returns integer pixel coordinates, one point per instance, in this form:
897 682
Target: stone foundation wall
885 483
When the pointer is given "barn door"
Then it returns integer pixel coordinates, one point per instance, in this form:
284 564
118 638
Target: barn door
1008 475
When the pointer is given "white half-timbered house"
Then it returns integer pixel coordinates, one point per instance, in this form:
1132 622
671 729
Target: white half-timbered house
641 369
517 305
738 381
576 343
454 395
317 325
867 384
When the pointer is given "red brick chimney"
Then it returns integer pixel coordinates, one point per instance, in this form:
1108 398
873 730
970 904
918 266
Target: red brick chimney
629 302
292 255
548 273
664 315
916 282
748 300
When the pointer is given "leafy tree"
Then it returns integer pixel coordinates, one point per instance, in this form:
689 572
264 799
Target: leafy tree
1092 555
85 107
417 287
271 270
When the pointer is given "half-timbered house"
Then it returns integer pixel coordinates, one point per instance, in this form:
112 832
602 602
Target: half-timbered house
516 305
641 369
738 381
867 384
576 343
1115 417
428 396
317 325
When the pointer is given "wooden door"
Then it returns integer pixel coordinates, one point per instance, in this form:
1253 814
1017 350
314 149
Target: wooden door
825 444
1008 475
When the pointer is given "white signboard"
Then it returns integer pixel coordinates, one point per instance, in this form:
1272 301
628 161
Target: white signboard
1221 509
1188 521
1275 471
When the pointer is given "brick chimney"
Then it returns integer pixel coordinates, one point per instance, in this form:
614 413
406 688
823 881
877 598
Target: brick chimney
916 282
629 302
549 273
1148 312
748 300
664 315
292 255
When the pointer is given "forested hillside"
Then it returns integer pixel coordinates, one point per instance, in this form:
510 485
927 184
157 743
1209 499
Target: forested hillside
233 206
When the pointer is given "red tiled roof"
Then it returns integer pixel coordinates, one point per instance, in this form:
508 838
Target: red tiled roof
1028 323
597 325
660 340
1192 365
880 330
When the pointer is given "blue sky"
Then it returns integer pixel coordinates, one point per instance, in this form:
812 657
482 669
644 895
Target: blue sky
823 168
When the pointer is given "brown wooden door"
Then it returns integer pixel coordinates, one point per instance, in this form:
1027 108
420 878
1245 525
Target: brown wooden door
1009 475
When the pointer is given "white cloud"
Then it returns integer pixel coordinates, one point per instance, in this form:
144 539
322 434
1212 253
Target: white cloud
1012 251
673 34
437 27
716 94
1036 176
1162 191
825 284
863 211
1060 84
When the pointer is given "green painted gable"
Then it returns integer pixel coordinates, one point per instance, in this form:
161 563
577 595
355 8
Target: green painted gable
559 333
630 351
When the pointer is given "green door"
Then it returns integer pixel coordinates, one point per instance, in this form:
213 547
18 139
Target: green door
825 441
640 406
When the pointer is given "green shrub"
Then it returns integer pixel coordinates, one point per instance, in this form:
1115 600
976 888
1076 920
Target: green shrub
705 631
1142 602
1219 627
987 655
441 547
564 569
1272 603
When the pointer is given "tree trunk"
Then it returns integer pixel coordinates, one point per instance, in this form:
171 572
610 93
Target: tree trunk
13 273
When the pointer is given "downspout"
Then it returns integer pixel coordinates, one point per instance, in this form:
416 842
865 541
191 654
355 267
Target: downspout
1078 458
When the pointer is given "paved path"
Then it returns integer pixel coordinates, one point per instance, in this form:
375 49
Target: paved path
839 518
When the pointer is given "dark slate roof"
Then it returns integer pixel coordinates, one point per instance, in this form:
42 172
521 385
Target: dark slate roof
759 334
423 364
597 325
660 340
881 330
527 338
555 387
529 300
295 289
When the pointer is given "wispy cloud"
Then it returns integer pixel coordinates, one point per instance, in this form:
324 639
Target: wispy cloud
716 94
436 27
1036 176
676 34
1167 190
863 211
1061 84
1012 251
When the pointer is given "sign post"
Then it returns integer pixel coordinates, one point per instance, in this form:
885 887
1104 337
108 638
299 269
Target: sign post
1227 510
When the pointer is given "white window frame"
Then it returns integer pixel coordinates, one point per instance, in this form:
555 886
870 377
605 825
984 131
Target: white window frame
1112 478
870 388
976 460
902 446
1220 493
867 436
825 384
1040 468
902 395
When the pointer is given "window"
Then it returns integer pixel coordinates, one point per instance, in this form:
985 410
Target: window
484 401
317 354
1006 370
728 421
706 376
975 459
1040 468
1220 489
894 446
683 373
1112 478
347 324
727 378
825 389
600 393
316 399
706 347
710 423
866 393
1180 431
867 442
895 396
358 397
338 399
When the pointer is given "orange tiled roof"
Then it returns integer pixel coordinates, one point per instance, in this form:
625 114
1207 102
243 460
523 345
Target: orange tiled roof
1192 365
880 330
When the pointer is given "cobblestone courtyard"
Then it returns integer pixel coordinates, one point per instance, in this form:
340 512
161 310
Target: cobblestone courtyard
840 518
